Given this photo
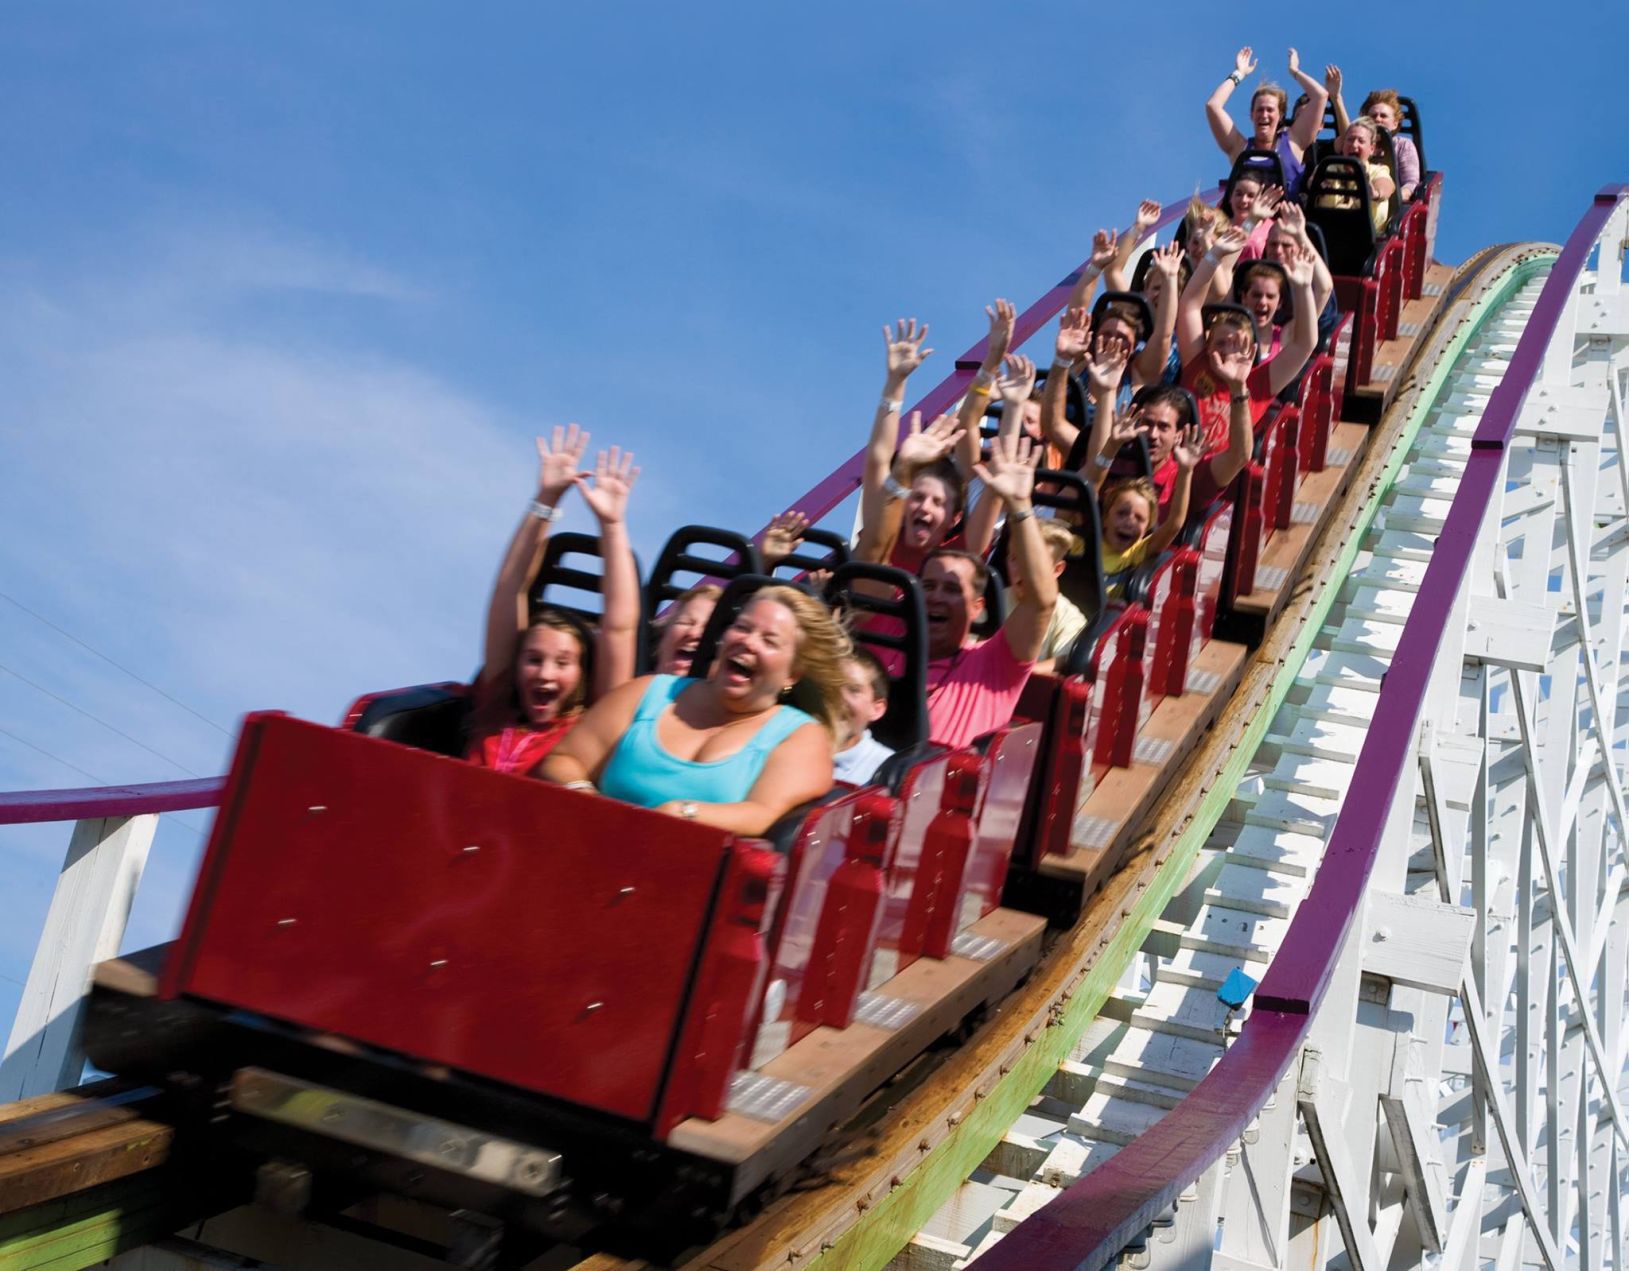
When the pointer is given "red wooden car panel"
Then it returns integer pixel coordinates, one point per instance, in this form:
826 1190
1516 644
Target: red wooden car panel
539 936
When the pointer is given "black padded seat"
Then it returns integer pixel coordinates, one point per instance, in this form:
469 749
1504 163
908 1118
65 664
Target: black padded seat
1338 204
805 560
694 554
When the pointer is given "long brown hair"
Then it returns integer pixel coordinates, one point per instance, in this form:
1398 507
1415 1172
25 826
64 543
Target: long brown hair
823 646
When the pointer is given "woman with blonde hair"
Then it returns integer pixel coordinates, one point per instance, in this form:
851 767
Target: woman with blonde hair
1289 140
1385 107
728 750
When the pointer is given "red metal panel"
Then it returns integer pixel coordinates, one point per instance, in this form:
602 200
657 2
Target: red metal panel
919 795
1117 735
1247 529
531 934
1011 761
850 918
1172 626
1340 346
1063 776
941 872
1212 570
717 1021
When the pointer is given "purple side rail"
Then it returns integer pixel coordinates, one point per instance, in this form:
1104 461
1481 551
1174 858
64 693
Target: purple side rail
1096 1217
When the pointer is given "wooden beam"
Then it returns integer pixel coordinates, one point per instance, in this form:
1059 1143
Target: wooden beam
1418 942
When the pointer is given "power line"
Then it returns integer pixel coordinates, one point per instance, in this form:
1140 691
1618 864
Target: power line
117 666
57 697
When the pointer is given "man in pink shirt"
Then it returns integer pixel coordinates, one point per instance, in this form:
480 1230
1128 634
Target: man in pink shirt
973 686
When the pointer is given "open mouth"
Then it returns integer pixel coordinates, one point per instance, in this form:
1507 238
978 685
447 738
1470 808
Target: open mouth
684 654
738 671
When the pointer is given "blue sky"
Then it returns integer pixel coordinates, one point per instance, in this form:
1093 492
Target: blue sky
290 288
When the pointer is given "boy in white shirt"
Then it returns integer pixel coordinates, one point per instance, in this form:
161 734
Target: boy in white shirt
865 695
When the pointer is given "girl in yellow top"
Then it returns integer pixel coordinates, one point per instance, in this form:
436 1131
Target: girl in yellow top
1129 509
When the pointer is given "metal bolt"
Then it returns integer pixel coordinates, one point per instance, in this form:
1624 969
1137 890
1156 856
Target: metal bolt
318 807
438 962
592 1007
473 847
1382 933
286 922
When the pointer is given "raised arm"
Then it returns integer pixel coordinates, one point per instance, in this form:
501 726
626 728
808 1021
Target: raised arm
1123 429
1292 219
1190 319
1105 243
1074 338
1222 127
617 645
1151 361
1015 388
1002 317
509 610
1332 88
1103 374
1010 477
1230 364
1187 452
905 353
1310 119
917 448
1116 277
1301 338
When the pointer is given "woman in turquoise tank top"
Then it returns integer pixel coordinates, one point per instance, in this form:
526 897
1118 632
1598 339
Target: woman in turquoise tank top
723 750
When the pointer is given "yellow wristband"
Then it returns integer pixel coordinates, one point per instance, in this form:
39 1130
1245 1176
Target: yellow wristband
983 390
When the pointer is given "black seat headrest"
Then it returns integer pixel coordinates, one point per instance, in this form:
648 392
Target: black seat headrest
884 606
1143 313
1262 164
691 555
1338 204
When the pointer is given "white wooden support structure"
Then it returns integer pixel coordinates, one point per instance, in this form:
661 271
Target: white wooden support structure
1456 1100
83 926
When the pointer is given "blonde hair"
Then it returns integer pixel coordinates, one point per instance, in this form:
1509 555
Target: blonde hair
1364 121
1141 486
823 647
1057 536
1202 213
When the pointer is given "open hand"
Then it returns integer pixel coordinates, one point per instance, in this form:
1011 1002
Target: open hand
1292 219
1266 203
1002 319
1244 61
1148 211
1332 80
905 351
1009 473
1074 335
921 446
1190 447
1230 242
557 461
1168 260
1016 384
1298 265
1295 62
783 537
607 493
1104 244
1125 428
1103 372
1231 362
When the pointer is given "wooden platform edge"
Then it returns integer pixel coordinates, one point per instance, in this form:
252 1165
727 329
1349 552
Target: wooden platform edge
941 1133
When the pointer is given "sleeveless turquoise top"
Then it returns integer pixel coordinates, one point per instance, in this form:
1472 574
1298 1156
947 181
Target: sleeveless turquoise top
640 771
